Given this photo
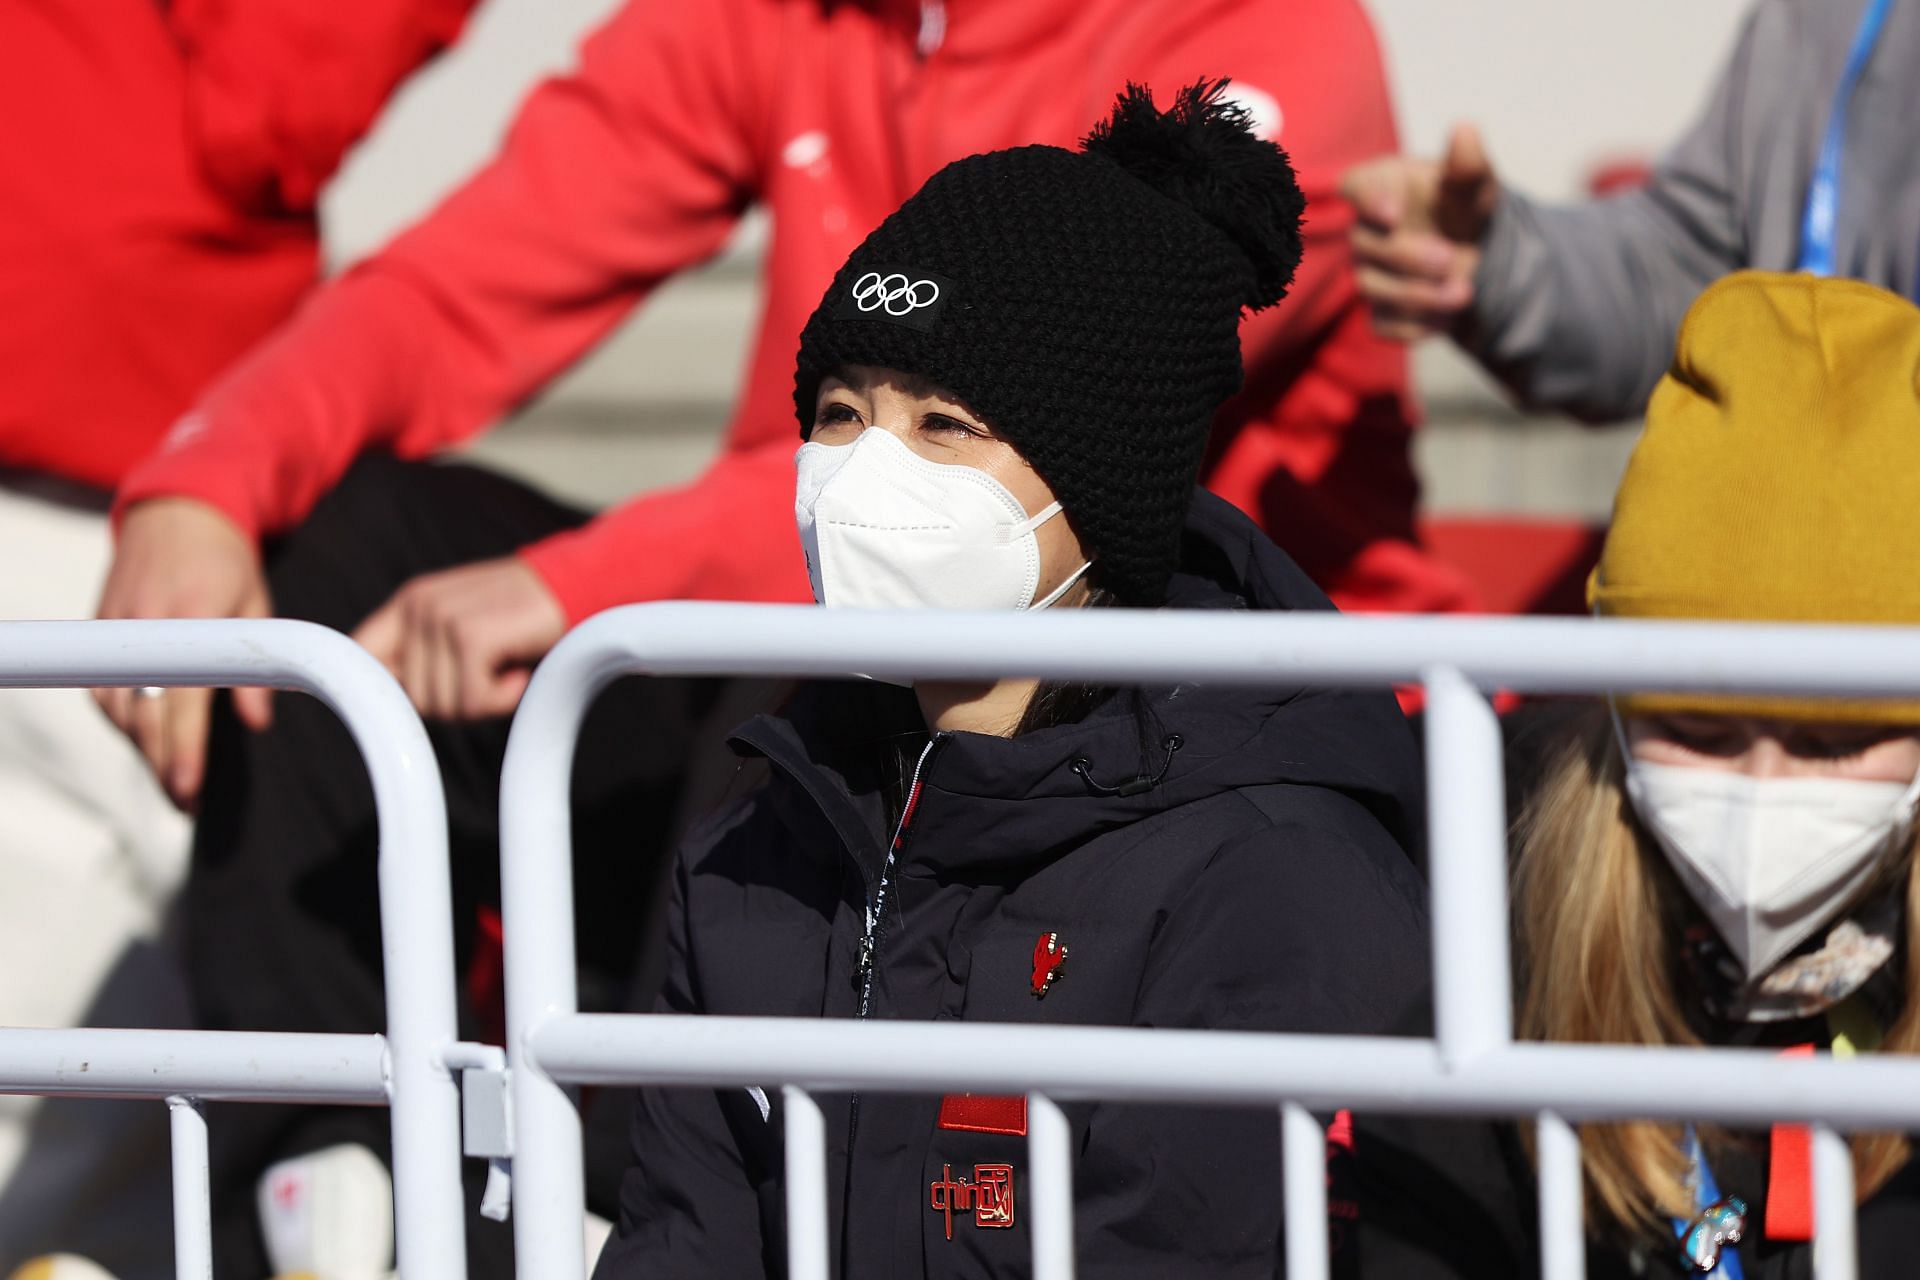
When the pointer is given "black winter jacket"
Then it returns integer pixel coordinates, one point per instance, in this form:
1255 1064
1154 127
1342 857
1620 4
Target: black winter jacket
1458 1199
1263 881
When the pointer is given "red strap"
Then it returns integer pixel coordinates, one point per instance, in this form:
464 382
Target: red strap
1343 1204
979 1113
487 976
1340 1132
1790 1175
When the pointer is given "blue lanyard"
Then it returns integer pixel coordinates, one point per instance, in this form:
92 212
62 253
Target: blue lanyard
1706 1195
1817 221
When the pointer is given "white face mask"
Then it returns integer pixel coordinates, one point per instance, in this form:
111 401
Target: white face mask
884 528
1769 860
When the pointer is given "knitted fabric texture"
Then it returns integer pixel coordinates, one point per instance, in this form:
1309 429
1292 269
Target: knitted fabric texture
1085 305
1778 478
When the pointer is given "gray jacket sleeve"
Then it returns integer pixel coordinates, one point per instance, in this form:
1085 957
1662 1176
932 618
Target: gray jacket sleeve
1577 306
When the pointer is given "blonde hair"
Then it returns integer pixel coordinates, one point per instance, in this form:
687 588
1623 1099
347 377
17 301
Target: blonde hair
1597 919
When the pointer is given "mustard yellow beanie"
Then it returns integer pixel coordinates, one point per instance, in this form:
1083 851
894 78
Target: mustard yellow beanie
1778 478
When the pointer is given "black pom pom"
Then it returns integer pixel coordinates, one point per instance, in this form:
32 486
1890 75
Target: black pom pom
1203 153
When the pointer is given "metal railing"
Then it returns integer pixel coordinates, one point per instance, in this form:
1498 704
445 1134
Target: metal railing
1471 1067
408 1068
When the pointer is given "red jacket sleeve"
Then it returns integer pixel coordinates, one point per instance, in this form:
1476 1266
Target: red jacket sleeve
613 178
277 90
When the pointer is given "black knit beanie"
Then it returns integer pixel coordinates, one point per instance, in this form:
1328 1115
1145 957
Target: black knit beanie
1085 305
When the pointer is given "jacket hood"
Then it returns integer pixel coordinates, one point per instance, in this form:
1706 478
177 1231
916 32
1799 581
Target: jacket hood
992 806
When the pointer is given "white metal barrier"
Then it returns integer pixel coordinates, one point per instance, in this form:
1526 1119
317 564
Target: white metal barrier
408 1068
1472 1066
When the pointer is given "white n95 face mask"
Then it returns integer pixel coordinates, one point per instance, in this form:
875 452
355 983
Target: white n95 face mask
1770 860
884 528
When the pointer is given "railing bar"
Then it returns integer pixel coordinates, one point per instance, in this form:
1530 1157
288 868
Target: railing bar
1563 1248
1127 646
1467 834
1835 1254
125 1062
1303 1157
1166 1065
192 1191
1050 1147
806 1167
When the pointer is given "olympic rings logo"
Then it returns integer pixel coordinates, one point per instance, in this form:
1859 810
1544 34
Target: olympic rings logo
898 295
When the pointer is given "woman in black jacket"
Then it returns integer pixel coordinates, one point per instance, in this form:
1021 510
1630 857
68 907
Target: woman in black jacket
1005 395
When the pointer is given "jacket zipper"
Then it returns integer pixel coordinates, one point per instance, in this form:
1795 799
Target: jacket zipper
876 932
883 892
933 28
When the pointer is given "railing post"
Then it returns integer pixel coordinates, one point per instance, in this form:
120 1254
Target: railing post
806 1171
1467 852
536 880
416 944
192 1193
1835 1253
1050 1152
1303 1157
1563 1235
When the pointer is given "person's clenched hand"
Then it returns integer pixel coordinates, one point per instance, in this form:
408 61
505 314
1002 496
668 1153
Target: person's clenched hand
181 558
1416 239
463 641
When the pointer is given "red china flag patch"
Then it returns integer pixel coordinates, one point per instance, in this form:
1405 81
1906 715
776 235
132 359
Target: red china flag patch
983 1113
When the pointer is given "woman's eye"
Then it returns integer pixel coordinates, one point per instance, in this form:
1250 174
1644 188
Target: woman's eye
1701 740
941 424
1833 746
835 414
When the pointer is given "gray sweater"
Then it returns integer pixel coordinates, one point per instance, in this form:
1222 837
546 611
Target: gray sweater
1577 307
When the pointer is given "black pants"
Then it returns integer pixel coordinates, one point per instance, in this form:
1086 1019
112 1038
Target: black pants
282 912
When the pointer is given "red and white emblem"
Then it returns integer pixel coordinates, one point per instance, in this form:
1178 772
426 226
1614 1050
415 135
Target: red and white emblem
989 1197
1049 954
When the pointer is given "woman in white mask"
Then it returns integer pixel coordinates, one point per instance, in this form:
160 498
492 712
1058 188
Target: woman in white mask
1004 398
1710 869
906 499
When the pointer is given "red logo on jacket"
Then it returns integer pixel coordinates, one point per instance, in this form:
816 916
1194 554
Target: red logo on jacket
989 1197
1049 954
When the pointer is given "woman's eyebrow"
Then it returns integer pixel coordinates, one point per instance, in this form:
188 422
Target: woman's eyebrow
919 386
849 378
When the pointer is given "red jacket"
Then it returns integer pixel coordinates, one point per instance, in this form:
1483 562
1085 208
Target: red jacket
831 112
158 168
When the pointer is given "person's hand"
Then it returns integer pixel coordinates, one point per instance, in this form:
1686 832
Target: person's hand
1416 240
181 558
463 641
